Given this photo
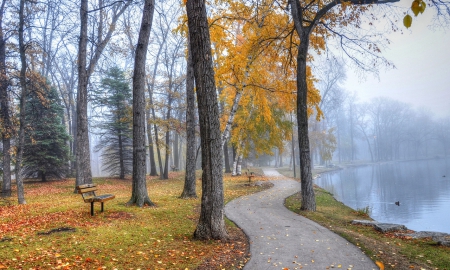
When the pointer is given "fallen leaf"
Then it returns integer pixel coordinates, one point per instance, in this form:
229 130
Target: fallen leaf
380 264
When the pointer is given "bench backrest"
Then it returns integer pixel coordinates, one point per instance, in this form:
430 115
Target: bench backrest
87 190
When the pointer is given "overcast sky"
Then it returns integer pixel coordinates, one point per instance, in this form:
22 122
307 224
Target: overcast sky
422 75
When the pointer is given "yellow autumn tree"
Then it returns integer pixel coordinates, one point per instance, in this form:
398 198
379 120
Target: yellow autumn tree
254 69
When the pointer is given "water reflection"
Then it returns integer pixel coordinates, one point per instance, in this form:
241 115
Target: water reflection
421 187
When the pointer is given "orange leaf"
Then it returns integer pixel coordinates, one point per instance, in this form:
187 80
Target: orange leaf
380 264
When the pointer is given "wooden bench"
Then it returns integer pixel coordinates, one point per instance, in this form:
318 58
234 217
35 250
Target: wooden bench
87 191
250 176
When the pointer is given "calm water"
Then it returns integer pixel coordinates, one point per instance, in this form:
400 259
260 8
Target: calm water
419 186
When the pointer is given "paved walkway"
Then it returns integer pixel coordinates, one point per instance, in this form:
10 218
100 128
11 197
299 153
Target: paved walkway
282 239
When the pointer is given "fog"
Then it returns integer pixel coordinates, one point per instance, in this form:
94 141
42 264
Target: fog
422 62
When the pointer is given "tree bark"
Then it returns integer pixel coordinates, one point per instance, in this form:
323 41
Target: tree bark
165 174
175 146
308 197
150 88
139 194
121 159
82 151
151 150
23 83
5 118
189 179
83 159
155 127
211 224
226 157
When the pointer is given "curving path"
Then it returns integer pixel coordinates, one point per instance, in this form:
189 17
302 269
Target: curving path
281 239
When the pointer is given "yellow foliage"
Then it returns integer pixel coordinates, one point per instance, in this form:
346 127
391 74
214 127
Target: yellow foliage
253 49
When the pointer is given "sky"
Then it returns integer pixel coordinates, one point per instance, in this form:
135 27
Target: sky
421 78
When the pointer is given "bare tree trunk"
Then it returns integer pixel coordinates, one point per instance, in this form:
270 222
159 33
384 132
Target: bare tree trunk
211 224
158 150
83 159
227 158
139 195
121 160
165 175
4 104
176 145
189 179
82 151
151 146
281 159
23 84
308 197
239 164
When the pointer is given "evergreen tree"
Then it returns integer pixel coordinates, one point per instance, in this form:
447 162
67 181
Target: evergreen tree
46 150
115 123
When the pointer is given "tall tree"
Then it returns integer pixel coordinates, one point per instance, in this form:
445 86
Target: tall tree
116 141
211 224
22 106
46 151
139 195
306 17
85 70
5 107
189 178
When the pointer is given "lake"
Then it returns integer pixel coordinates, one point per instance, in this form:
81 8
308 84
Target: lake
421 187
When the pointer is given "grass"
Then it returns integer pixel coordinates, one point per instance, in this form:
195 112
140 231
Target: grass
393 251
120 238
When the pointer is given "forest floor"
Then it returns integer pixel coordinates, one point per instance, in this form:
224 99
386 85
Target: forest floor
54 230
392 250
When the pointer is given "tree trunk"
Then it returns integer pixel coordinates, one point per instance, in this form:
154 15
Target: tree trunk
226 157
175 146
211 224
121 159
4 105
82 151
43 176
83 159
153 171
189 179
236 154
165 175
308 197
23 83
281 159
161 171
239 164
139 194
293 156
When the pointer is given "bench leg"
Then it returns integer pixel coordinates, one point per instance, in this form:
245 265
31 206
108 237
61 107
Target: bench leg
102 206
92 208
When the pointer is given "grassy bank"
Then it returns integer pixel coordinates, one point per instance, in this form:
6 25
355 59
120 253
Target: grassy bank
393 251
54 230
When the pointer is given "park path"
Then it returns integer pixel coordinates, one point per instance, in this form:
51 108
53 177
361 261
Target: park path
281 239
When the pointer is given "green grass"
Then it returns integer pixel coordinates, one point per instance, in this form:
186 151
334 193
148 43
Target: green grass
120 238
393 251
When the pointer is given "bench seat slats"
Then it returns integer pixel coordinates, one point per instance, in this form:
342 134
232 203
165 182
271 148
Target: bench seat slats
86 186
101 198
87 191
